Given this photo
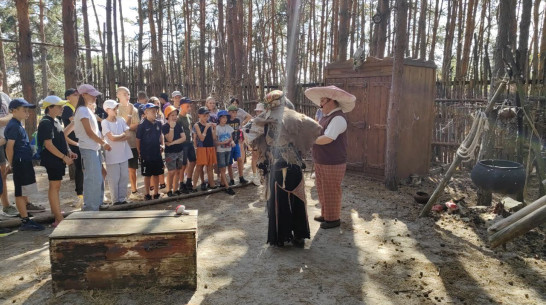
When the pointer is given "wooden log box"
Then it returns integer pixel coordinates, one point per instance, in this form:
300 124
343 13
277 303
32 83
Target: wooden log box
124 249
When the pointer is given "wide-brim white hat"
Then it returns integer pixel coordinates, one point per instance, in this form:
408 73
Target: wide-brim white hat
345 100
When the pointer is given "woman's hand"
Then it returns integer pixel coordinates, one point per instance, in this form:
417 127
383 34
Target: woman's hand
107 147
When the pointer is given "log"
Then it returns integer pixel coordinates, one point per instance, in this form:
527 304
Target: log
457 160
537 204
518 228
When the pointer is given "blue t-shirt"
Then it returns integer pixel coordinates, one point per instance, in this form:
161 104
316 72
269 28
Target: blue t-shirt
21 148
149 135
177 131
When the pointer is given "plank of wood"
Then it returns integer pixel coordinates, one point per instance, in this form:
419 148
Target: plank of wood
70 228
126 214
145 273
123 247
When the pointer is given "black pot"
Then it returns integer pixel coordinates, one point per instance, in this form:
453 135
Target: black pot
499 176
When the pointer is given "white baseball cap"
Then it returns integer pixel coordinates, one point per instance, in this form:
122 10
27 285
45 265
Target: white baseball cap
176 93
109 104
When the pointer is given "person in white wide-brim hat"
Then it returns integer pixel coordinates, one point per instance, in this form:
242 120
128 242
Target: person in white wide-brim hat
330 150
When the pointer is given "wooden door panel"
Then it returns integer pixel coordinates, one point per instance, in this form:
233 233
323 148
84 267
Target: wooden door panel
376 117
356 123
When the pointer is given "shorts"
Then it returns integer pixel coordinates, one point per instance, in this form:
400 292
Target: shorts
223 158
206 155
55 173
24 178
133 162
174 160
3 154
189 153
151 168
235 154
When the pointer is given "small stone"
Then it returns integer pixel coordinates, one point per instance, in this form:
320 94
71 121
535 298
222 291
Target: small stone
511 283
442 245
526 296
206 286
21 278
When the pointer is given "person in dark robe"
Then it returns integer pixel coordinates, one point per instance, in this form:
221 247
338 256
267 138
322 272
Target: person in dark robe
281 136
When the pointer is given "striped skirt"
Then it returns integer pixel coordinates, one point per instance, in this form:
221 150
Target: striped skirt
328 182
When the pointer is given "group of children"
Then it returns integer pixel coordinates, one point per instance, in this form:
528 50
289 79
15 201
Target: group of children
128 132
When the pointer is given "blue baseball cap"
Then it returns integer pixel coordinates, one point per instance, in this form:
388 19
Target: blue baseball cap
20 102
222 113
185 100
148 106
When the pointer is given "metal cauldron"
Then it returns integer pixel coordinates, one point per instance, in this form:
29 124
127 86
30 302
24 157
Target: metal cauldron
499 176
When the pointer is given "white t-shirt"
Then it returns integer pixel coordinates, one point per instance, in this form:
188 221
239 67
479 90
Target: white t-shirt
121 151
223 133
84 141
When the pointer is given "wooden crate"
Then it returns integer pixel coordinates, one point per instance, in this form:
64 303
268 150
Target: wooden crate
124 249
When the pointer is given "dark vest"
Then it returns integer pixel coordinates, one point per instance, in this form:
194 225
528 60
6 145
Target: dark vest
335 152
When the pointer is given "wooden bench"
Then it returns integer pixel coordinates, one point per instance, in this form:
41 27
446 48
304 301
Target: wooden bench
125 249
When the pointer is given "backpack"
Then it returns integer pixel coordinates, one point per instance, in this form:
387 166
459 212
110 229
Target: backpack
37 148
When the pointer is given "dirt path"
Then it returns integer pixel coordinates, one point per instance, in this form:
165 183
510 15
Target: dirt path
382 254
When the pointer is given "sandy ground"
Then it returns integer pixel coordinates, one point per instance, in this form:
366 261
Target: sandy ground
382 254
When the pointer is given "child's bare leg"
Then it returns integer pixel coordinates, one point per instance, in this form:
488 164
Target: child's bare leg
210 175
147 185
223 179
155 183
240 166
170 178
230 171
175 180
54 202
196 174
21 203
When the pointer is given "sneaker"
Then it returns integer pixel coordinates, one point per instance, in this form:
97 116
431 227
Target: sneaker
147 197
120 202
177 193
5 230
230 191
256 180
203 186
156 196
170 193
31 225
78 204
193 190
212 187
313 175
33 207
135 196
242 180
10 211
162 186
231 182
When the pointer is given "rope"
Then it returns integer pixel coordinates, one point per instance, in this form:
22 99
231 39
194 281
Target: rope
478 126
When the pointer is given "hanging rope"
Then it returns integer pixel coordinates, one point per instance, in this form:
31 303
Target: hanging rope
466 151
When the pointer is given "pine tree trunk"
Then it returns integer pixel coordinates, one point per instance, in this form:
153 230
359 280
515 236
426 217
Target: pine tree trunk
70 46
162 82
156 68
43 51
4 79
343 30
118 72
219 54
393 128
26 62
542 64
202 16
437 13
384 11
88 72
110 50
141 17
123 72
448 46
421 31
469 31
293 10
